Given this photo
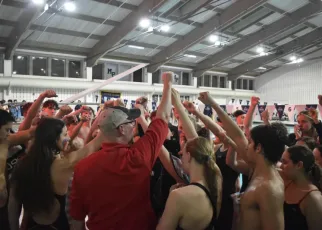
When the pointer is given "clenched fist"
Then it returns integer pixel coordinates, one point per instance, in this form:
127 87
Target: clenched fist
254 101
49 94
167 77
206 98
189 106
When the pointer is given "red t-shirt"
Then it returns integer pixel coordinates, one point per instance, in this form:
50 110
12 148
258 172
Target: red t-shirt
112 186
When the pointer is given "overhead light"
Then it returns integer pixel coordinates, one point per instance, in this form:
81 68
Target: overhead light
213 38
70 6
150 29
190 56
262 68
38 2
145 23
217 43
260 50
165 28
299 60
19 57
46 7
293 58
14 72
136 47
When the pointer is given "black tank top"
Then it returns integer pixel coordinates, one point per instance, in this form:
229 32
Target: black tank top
212 224
61 222
293 217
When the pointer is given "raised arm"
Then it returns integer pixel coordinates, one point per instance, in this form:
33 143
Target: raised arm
233 131
21 136
248 122
164 109
187 126
34 109
239 165
63 111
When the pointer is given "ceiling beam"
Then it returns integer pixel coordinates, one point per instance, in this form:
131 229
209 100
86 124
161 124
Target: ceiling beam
274 8
190 8
118 4
128 24
259 37
285 49
218 22
24 22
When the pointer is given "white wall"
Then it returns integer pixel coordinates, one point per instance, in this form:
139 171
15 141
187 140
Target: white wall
291 84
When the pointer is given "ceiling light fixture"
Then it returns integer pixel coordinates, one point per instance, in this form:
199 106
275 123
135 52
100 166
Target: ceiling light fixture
260 50
46 7
150 29
299 60
217 43
293 58
38 2
262 68
165 28
213 38
136 47
190 56
145 23
70 6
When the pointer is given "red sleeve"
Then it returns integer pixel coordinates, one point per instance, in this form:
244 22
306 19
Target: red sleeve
77 209
149 145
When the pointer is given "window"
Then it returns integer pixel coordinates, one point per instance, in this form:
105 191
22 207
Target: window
245 85
123 68
251 85
39 66
20 65
98 72
222 82
58 67
156 77
214 81
111 70
138 76
1 63
74 69
206 80
198 81
239 83
185 78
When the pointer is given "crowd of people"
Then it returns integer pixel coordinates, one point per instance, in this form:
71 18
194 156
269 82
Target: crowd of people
126 169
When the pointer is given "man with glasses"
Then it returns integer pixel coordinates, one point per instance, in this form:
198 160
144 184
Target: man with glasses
112 186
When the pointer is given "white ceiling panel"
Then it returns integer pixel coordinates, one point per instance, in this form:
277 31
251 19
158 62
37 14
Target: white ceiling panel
10 13
203 15
243 56
181 29
134 2
101 10
284 41
275 63
73 24
288 5
156 40
270 19
144 52
310 49
316 20
5 31
303 32
222 4
232 65
201 48
62 39
250 30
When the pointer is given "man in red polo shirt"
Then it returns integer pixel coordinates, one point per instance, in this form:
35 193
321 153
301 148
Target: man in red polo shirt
112 186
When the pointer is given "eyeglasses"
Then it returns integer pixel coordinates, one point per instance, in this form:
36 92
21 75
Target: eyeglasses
133 122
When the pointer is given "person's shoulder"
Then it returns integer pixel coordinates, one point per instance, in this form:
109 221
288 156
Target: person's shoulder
271 188
314 197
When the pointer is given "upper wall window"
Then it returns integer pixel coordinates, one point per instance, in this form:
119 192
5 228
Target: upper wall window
58 67
245 84
222 82
156 77
39 66
214 81
98 71
123 68
239 81
206 80
74 69
138 76
251 85
185 78
199 81
1 63
20 64
111 70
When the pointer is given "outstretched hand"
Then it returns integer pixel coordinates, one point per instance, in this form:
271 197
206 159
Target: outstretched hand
175 97
255 101
49 94
167 77
189 106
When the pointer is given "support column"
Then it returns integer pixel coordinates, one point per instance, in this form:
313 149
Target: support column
7 68
89 73
195 82
149 75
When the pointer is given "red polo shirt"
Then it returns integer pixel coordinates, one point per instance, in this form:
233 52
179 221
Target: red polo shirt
112 186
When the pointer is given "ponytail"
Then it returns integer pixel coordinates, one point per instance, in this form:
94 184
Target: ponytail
315 176
214 181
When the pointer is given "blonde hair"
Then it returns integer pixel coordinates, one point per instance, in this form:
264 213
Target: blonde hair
202 150
308 115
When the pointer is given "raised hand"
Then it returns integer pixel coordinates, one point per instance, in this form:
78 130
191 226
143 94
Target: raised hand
49 94
65 110
189 106
175 97
254 101
206 98
167 77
